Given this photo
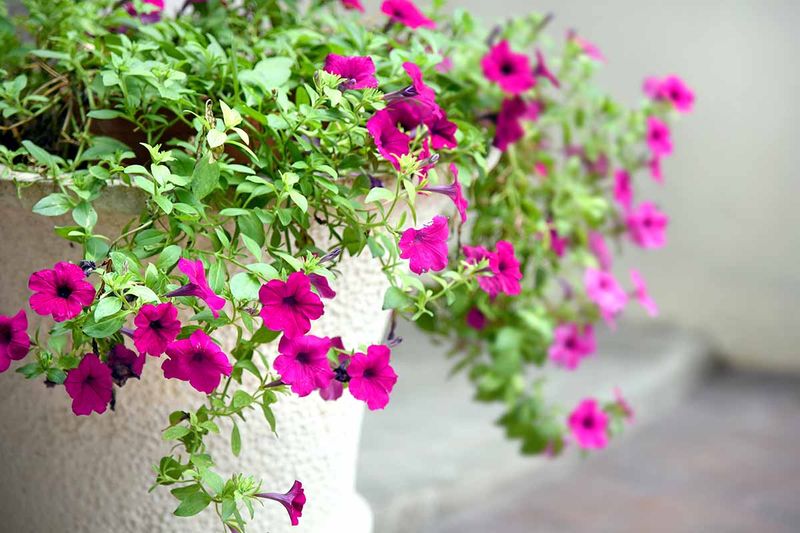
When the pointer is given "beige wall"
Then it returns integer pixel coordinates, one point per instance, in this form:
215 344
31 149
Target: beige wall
733 185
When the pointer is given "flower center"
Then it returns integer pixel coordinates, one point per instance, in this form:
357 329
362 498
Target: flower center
588 422
369 373
156 325
5 333
507 68
64 291
198 356
303 357
570 344
290 301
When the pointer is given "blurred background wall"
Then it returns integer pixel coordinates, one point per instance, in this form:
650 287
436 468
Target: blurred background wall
732 264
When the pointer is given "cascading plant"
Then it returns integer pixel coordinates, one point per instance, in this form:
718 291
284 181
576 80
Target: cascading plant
243 128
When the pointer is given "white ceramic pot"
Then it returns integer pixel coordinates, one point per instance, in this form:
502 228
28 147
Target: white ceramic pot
60 472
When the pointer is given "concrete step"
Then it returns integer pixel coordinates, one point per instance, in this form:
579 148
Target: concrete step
434 451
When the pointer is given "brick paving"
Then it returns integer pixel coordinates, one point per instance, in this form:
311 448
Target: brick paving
726 461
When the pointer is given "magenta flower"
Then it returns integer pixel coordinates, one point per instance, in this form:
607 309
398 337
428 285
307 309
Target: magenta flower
589 425
476 254
420 89
571 343
198 286
597 245
152 16
426 247
442 131
293 501
476 319
290 306
588 48
655 169
89 385
641 294
156 327
372 377
303 363
335 388
647 226
542 71
558 243
14 339
454 192
511 71
509 123
124 364
623 192
671 89
357 72
505 266
390 141
445 65
353 4
658 137
407 14
197 360
602 288
408 113
62 291
320 283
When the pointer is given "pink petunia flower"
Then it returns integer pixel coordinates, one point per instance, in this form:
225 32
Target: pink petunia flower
150 17
406 13
476 319
670 89
445 65
597 245
658 137
623 192
571 343
589 425
62 291
505 266
390 141
454 192
14 339
558 243
442 132
588 48
320 283
655 169
357 72
511 71
156 327
421 90
89 385
293 501
290 306
124 364
408 113
198 286
353 4
602 288
647 226
641 294
334 390
372 378
509 123
198 360
541 70
426 247
303 363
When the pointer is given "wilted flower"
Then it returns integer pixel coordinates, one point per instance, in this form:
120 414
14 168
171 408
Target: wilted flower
124 364
476 319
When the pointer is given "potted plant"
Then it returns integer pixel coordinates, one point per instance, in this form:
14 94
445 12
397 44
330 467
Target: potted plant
247 196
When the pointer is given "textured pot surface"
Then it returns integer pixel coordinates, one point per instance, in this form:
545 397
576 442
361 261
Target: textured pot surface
60 472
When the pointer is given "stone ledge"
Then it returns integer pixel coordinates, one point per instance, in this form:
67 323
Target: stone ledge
434 451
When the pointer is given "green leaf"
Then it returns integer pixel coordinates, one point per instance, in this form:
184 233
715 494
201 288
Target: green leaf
103 328
216 138
53 205
193 504
268 415
85 215
236 440
245 286
241 399
96 249
396 299
105 114
268 74
205 177
56 375
175 432
107 307
39 154
299 200
379 194
169 257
